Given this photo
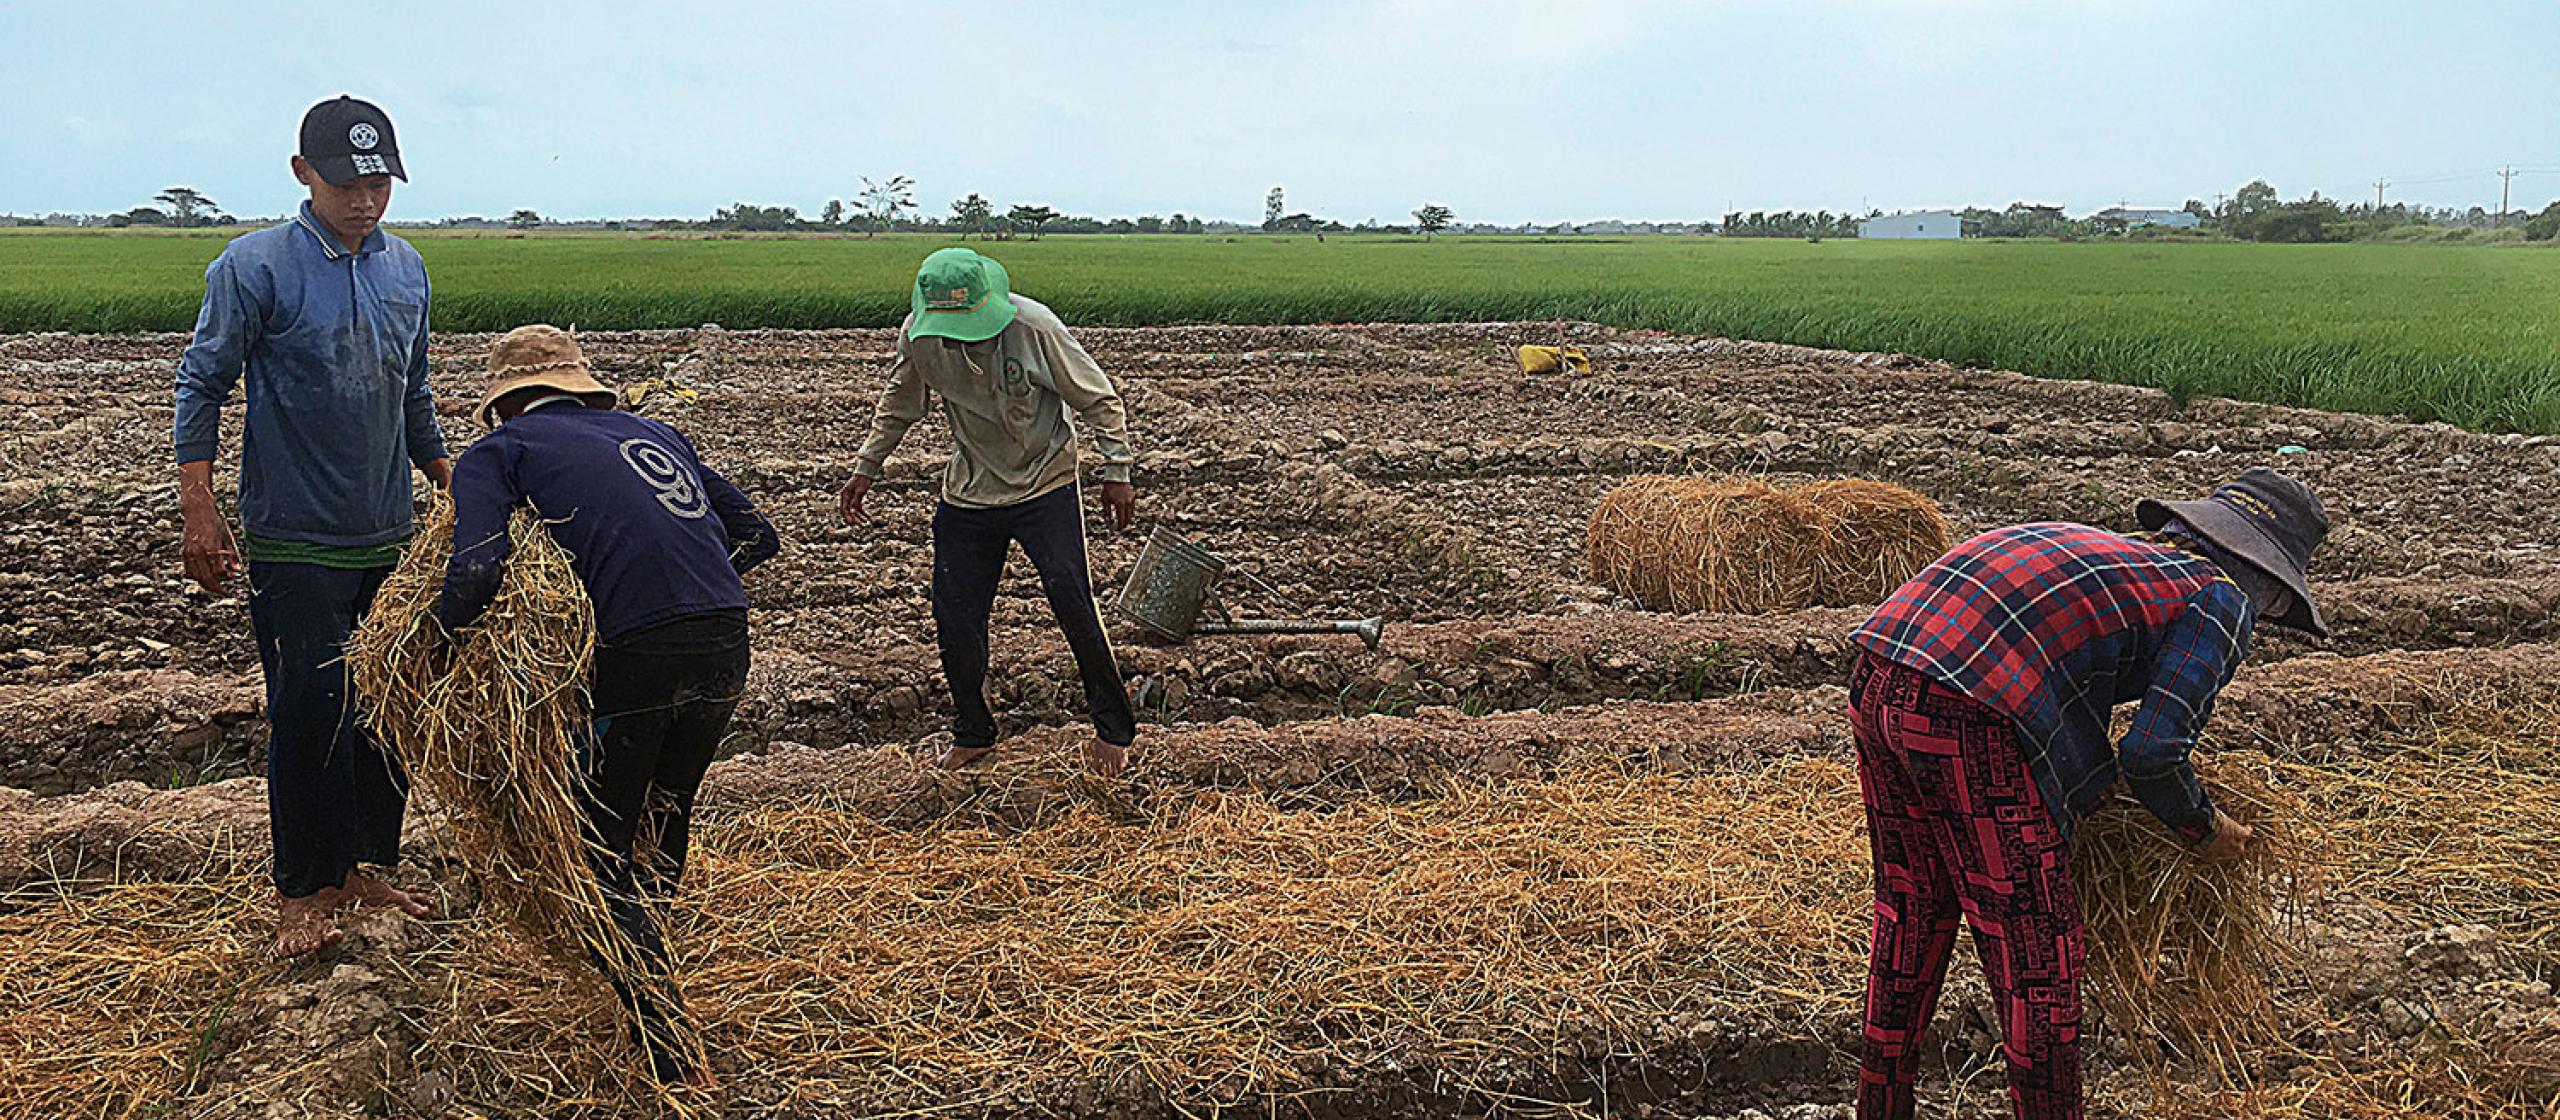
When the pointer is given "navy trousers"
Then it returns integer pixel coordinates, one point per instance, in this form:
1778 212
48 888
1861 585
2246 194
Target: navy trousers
335 797
663 697
969 547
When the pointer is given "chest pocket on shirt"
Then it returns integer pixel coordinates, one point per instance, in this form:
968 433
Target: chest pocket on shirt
399 329
676 486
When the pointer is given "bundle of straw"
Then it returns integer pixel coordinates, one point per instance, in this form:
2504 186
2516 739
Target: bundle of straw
2180 949
488 727
1875 535
1741 545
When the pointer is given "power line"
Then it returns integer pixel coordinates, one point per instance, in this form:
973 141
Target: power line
2441 176
2421 180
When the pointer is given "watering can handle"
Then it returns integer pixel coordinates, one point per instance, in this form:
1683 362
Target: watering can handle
1277 599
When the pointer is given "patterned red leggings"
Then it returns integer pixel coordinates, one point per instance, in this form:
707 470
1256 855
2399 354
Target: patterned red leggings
1957 824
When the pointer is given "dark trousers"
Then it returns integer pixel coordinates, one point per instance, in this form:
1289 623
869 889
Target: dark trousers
969 547
663 697
335 797
1957 826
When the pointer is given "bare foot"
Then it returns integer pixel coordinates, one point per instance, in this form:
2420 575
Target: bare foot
308 924
958 758
369 891
1105 759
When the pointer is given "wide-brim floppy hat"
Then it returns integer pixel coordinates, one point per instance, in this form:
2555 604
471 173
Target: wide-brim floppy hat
961 294
2265 519
540 356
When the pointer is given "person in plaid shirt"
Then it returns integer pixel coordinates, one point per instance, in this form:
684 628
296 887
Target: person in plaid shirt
1980 703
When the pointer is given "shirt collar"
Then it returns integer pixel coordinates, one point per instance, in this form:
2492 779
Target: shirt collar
550 399
329 246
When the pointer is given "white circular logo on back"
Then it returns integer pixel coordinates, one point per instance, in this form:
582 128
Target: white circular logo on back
363 136
677 489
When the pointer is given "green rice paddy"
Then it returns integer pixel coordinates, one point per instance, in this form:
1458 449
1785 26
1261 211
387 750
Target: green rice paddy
2466 334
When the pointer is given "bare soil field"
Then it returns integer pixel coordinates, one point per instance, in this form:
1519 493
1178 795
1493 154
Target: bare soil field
1542 852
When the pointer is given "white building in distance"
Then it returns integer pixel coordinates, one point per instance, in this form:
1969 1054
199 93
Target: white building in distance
1927 225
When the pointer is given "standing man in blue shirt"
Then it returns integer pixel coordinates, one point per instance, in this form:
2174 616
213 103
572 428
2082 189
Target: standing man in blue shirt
325 319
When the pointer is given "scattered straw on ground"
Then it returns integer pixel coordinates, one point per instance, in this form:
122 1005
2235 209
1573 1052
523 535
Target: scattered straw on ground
1740 545
1218 945
113 995
1229 948
2462 829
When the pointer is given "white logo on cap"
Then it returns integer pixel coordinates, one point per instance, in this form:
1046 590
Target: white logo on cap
363 136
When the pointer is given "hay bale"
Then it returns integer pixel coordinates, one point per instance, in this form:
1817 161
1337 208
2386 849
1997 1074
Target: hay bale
1740 545
1876 536
489 728
2182 950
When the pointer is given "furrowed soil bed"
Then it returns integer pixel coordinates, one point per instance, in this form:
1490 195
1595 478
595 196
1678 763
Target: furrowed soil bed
1542 849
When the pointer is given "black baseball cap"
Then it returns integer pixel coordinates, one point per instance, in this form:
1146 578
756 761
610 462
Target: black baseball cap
344 138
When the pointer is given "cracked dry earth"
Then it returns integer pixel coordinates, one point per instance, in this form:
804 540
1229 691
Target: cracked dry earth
1404 471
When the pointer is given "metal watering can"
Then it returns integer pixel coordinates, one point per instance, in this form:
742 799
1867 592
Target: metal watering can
1169 589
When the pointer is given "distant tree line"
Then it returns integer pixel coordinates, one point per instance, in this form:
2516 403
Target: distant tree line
890 208
2023 219
188 208
2257 213
2544 226
1788 223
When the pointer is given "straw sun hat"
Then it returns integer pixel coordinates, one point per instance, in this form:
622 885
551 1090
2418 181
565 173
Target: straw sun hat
540 356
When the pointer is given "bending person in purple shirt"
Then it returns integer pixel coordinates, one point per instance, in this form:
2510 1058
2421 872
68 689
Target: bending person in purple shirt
324 321
659 540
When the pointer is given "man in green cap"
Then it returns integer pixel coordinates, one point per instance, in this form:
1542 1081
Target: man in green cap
1008 374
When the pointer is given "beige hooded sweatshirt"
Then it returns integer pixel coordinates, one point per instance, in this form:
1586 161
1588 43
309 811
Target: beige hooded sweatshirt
1007 400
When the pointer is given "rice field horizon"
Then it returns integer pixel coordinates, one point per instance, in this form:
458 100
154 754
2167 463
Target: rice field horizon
2464 334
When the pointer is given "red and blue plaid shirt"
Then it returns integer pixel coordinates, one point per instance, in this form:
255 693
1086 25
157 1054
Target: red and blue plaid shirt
2053 625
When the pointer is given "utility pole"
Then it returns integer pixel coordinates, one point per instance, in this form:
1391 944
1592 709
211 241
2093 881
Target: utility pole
2378 184
2506 183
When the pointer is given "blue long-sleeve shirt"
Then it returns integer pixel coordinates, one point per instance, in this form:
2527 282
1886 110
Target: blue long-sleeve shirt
653 533
2053 625
333 346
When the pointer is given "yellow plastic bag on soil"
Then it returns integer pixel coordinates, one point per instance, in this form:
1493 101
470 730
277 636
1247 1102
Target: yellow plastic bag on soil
1550 359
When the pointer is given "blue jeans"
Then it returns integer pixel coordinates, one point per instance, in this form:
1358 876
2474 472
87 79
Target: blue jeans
335 797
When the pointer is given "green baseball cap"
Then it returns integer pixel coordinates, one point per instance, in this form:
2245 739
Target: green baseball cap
961 295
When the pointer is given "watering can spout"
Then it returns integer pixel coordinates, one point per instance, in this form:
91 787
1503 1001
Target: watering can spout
1370 630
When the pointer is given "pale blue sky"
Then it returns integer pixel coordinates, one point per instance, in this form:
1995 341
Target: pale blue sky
1505 110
